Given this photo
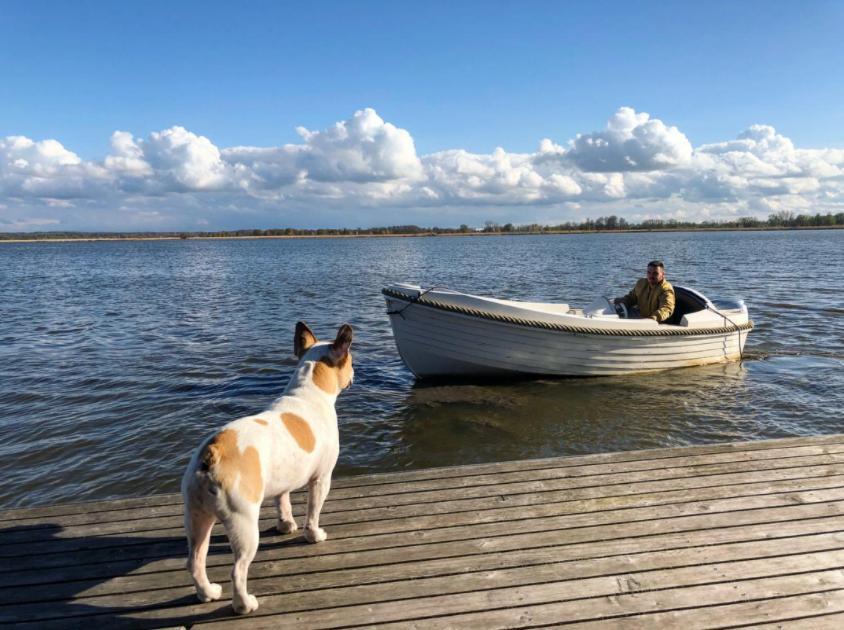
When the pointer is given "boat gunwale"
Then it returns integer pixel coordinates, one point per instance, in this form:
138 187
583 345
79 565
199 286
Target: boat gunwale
662 331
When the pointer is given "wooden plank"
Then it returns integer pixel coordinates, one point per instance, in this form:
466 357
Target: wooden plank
612 576
814 611
589 598
339 511
574 563
822 621
730 534
561 544
640 469
172 504
754 611
798 487
402 477
366 527
339 503
694 515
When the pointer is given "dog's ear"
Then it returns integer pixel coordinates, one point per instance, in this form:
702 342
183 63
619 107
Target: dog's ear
341 345
303 339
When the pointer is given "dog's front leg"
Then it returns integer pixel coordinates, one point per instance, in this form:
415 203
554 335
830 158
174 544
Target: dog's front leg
317 491
286 522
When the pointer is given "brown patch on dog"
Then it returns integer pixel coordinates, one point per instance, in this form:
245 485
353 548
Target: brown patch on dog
261 422
333 377
228 464
300 430
325 377
344 371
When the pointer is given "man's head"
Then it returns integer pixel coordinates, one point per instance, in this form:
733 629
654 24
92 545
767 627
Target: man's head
656 272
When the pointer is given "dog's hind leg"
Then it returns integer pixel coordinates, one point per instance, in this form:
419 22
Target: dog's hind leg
286 522
317 492
198 525
242 529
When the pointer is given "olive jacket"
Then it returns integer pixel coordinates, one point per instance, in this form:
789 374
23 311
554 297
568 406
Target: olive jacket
656 303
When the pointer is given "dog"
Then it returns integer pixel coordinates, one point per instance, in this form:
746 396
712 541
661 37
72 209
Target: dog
293 443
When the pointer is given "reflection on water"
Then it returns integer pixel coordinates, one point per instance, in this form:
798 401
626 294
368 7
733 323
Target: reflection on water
117 358
446 424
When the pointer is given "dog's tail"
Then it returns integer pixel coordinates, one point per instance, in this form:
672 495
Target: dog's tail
200 485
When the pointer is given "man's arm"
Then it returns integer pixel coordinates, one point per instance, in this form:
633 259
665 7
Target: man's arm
628 300
666 306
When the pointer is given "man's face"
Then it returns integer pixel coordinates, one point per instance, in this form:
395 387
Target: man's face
655 275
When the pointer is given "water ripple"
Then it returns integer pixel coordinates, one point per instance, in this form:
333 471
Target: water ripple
117 358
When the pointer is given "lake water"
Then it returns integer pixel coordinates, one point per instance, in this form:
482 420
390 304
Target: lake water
117 358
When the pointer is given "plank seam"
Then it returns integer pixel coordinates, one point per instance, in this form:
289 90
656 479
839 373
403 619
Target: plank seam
214 552
490 495
787 619
702 606
601 618
267 522
557 601
496 551
494 588
768 556
716 449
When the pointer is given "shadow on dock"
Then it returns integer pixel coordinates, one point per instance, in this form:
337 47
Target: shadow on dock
54 580
739 534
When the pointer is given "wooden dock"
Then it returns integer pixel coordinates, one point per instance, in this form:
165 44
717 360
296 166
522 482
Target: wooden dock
699 537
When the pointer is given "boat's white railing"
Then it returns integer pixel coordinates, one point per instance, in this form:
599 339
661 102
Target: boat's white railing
429 298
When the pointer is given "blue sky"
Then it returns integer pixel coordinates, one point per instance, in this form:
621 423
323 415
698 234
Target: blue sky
469 76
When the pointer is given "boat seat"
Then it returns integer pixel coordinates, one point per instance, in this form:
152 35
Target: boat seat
542 307
685 302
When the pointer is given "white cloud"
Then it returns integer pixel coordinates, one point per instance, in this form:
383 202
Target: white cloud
185 161
361 149
359 169
631 142
45 169
127 156
497 178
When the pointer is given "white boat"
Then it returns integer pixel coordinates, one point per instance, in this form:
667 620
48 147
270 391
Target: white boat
440 332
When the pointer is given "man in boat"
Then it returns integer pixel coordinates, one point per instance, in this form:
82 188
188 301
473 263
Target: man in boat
653 295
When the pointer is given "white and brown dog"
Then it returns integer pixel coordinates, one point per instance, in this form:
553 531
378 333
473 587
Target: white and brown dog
293 443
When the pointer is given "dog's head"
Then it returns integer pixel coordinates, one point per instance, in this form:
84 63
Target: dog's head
333 370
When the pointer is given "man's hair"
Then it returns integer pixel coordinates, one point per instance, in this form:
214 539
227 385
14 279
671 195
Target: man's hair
656 263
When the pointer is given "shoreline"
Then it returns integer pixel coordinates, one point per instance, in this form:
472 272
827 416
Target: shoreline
152 237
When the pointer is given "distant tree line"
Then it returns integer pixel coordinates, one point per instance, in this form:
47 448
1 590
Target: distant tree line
781 220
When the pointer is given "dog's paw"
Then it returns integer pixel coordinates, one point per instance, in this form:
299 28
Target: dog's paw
246 606
315 535
213 592
286 527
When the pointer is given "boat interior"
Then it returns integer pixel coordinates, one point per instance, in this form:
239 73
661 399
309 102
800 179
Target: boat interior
686 301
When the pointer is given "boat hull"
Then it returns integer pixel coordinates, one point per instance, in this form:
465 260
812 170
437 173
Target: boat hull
435 342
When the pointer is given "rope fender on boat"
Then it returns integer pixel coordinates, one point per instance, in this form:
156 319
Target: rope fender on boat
530 323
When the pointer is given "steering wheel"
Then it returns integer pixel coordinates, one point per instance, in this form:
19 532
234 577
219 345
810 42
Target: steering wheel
620 309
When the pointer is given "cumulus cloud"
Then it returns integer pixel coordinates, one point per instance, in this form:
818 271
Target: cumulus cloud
45 169
173 160
631 142
127 157
361 149
364 166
